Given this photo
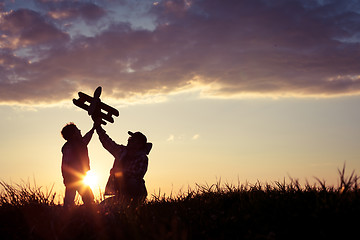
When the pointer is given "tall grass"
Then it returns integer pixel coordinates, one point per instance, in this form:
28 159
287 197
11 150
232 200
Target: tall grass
25 194
282 210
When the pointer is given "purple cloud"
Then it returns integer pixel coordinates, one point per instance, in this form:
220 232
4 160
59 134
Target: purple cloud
72 10
23 27
233 47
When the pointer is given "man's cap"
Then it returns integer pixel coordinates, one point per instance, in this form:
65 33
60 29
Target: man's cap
139 136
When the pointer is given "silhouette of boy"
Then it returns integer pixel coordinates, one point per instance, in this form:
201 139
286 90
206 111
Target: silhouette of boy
75 164
130 165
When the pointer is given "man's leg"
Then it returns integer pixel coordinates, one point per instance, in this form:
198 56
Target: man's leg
86 194
136 191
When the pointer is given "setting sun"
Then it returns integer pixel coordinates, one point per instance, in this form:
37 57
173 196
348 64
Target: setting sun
91 179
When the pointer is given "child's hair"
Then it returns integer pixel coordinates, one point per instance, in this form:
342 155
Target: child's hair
68 130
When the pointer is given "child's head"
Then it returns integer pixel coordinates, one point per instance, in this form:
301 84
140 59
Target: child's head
70 131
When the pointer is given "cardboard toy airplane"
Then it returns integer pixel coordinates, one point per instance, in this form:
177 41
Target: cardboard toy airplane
95 107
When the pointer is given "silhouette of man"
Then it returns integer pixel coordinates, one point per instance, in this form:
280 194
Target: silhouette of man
75 164
126 179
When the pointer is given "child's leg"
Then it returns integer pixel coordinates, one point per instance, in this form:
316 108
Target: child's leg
69 198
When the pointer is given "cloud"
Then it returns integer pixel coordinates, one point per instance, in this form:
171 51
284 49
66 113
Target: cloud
170 138
182 137
71 10
23 28
196 137
230 48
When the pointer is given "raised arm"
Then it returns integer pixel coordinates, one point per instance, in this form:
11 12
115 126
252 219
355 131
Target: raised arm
87 137
113 148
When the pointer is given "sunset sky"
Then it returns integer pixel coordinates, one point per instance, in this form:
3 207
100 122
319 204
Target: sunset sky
237 90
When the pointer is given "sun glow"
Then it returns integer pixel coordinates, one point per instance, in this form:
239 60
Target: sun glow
91 179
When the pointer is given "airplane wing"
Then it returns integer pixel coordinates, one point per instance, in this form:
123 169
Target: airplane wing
105 110
83 99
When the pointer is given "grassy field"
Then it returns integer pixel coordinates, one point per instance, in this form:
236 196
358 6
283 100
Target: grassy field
247 211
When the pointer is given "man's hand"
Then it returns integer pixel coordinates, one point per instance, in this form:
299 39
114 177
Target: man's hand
97 121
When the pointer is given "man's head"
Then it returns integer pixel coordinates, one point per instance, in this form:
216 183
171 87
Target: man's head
70 131
136 140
